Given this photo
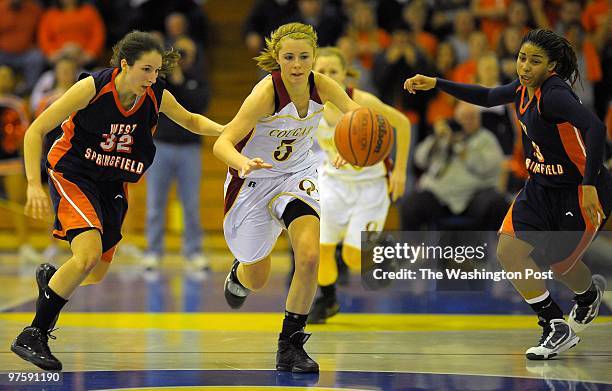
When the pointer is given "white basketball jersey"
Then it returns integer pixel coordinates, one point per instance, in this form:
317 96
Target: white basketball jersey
283 139
325 138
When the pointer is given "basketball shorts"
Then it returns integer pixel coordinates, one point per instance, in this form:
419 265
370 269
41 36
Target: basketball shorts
349 207
551 220
81 204
254 208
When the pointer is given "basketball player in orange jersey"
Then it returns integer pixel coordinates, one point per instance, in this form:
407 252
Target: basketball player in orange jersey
108 119
568 195
272 180
353 199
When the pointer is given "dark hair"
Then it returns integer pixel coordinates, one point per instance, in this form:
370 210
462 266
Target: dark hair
134 44
559 50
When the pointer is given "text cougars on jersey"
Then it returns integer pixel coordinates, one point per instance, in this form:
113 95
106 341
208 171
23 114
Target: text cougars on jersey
297 132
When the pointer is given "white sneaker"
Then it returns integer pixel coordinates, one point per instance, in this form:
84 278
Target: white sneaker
151 261
27 254
582 316
557 337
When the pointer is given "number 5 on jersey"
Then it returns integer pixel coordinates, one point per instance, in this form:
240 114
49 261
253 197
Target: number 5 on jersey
284 150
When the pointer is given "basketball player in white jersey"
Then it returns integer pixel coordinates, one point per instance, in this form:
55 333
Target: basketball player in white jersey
353 199
272 180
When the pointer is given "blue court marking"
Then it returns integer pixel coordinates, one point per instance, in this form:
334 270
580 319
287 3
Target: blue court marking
76 381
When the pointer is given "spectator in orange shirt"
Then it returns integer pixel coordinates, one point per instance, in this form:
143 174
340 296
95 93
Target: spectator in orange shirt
73 28
492 16
466 71
415 15
18 21
370 39
589 63
463 28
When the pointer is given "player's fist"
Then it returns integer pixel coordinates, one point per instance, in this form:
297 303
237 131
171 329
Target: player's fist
419 82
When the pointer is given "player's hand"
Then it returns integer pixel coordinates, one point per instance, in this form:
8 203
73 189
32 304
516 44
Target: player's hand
591 206
37 204
339 161
419 82
252 165
397 183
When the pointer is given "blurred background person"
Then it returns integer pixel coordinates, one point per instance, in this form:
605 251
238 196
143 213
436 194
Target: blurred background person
178 158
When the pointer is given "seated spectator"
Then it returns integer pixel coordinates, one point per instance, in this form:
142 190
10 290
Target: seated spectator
325 19
73 28
498 119
589 63
18 22
400 60
348 47
460 39
265 16
507 52
13 124
462 170
362 27
415 15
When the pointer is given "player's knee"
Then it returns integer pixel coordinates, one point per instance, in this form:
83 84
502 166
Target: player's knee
307 260
86 261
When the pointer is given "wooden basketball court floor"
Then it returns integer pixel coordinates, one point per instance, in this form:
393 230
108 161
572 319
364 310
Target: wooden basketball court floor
173 330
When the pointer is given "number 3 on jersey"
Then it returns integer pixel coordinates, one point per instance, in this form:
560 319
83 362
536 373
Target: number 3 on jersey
123 144
284 150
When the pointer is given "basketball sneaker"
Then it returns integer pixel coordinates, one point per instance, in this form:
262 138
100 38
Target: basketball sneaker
33 345
291 355
44 272
322 309
583 314
557 337
235 293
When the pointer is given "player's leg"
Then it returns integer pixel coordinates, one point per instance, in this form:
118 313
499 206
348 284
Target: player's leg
515 251
303 227
577 234
337 200
32 343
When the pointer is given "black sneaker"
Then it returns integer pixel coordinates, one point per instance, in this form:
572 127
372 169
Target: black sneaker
291 356
582 314
44 272
321 310
235 293
33 345
557 337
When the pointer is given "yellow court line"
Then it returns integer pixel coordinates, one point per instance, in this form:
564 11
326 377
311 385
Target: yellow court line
271 321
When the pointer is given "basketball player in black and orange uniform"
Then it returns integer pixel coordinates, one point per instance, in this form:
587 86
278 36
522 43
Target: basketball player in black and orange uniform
568 194
108 119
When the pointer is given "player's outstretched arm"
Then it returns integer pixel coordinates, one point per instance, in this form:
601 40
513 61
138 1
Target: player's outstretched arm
330 91
471 93
401 123
259 104
193 122
76 98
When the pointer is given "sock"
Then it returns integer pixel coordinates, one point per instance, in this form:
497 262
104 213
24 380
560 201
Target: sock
234 275
48 306
587 297
292 323
545 307
329 293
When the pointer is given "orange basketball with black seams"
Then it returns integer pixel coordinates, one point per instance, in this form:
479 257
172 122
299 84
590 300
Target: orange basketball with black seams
363 137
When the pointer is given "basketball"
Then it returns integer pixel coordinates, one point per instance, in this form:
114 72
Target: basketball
363 137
